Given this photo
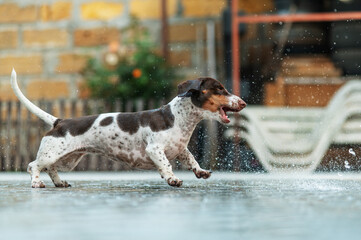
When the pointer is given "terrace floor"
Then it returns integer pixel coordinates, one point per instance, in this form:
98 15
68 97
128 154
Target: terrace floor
140 205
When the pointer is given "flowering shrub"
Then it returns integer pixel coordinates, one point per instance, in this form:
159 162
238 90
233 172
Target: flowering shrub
143 74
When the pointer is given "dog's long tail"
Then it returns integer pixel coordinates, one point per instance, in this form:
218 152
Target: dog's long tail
46 117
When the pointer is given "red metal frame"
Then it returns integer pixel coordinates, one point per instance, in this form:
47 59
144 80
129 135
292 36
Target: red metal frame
235 50
304 17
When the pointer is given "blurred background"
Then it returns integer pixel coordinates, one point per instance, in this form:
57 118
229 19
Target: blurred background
85 57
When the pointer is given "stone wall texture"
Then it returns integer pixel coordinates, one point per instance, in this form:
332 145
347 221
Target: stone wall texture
48 42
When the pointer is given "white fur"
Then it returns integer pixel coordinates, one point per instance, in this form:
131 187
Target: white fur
46 117
144 149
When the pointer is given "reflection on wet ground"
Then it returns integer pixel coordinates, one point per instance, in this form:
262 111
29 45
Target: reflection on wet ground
141 206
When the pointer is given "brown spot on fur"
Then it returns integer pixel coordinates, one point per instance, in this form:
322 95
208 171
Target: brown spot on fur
56 122
158 120
189 85
128 122
106 121
124 157
214 102
76 126
202 91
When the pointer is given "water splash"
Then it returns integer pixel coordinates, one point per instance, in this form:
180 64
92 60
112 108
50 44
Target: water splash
352 152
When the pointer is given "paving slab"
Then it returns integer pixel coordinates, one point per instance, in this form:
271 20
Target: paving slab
140 205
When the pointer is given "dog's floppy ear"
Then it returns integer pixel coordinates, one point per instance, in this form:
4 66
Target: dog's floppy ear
187 88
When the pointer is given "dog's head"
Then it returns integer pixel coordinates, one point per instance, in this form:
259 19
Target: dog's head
210 95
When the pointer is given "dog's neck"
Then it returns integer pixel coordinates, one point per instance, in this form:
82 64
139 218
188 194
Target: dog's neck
186 114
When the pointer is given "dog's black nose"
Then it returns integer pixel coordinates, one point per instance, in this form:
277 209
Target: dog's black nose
242 103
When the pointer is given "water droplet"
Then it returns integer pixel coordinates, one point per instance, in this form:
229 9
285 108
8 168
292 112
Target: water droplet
352 152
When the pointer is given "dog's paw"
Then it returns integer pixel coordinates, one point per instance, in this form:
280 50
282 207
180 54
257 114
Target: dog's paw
63 184
174 182
200 173
39 184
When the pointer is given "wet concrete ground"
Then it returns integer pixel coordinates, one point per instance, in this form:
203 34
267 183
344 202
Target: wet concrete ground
141 206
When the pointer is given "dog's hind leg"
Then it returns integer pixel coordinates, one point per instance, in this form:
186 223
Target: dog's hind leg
45 159
34 170
67 162
53 174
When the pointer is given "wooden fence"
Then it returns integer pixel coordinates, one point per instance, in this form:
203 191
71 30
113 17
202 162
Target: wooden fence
21 131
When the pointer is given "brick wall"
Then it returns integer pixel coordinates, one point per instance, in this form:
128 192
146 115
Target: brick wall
48 41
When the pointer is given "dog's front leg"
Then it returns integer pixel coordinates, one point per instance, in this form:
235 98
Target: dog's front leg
187 158
156 153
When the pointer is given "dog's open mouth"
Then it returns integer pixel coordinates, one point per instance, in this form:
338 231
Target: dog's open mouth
223 113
